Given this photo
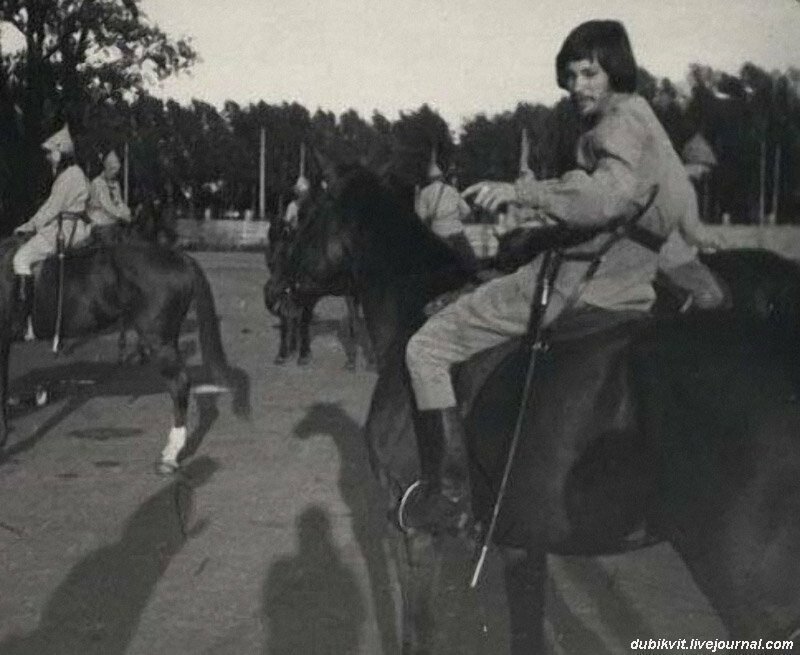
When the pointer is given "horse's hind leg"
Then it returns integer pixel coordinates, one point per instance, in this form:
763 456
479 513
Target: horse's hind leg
526 581
283 348
304 334
171 366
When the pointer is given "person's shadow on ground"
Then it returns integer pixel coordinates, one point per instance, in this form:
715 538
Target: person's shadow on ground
97 608
311 600
363 497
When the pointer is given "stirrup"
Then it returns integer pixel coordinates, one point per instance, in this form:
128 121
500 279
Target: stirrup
460 527
414 487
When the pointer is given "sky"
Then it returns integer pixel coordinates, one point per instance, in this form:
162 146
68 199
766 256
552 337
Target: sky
462 57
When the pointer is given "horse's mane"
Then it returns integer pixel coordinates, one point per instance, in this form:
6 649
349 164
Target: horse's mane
395 240
765 289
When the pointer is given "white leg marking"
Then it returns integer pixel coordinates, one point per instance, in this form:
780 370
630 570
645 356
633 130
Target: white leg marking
175 443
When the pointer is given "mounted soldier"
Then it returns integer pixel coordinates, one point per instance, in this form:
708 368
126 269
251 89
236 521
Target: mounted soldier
301 190
62 214
443 210
106 208
623 155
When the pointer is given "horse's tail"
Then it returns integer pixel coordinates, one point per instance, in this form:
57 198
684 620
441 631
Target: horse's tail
211 348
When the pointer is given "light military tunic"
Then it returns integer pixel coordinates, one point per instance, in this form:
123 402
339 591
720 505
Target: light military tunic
68 195
106 206
620 159
442 208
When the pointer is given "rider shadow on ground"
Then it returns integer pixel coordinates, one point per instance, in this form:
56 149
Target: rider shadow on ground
97 608
76 383
311 600
368 514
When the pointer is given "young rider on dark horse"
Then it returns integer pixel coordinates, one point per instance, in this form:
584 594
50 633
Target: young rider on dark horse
302 191
622 154
106 208
68 197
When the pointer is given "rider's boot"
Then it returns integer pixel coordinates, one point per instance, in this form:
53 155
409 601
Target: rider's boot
443 500
23 304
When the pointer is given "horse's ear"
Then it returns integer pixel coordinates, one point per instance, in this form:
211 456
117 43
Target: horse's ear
327 167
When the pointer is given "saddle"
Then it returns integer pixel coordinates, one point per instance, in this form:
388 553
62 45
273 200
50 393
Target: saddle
48 283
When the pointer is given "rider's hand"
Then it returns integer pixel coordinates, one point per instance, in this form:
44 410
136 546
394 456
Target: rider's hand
23 230
491 195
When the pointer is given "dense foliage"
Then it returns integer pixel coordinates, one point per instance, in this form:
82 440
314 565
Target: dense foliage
90 63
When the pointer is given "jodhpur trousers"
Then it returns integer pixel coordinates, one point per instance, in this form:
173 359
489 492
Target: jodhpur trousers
43 244
495 312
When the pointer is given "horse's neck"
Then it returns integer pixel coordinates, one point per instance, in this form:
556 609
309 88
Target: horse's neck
383 318
393 308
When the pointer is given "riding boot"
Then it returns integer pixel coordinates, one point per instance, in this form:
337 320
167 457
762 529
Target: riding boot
443 500
23 304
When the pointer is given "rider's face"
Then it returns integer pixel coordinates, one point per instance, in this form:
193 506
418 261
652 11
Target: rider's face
111 167
53 156
588 85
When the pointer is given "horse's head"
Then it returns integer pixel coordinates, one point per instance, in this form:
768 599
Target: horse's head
321 256
277 290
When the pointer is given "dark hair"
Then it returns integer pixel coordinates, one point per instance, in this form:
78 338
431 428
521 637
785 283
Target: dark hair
606 40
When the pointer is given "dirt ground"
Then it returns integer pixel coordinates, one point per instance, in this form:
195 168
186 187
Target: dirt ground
272 539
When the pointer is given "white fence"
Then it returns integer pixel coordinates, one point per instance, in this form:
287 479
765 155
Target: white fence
221 234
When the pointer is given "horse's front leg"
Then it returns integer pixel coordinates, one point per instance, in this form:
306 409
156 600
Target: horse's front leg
173 370
283 348
419 559
526 582
304 334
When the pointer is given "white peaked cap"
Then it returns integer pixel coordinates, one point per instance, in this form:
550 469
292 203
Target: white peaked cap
434 172
302 184
61 142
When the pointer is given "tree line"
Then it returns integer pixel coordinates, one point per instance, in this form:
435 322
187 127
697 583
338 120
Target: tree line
90 64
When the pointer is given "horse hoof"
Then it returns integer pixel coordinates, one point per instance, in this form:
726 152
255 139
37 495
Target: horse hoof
304 360
164 467
279 360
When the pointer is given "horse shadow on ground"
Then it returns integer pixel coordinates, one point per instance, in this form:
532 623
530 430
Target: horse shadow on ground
98 606
363 498
77 383
311 600
468 621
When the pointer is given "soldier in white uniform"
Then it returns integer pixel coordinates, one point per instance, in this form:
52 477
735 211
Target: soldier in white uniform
106 208
67 200
302 189
442 209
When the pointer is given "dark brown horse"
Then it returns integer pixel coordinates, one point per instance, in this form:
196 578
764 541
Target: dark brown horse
688 427
295 317
135 284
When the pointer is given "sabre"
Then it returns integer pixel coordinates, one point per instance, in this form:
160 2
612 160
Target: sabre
544 283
